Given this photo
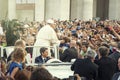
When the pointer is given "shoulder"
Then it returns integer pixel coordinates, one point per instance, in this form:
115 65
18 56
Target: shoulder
115 76
39 57
79 60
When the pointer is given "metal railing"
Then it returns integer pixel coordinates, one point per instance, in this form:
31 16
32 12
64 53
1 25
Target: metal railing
9 49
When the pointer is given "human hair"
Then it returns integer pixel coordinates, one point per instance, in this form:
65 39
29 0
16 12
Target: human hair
103 51
41 74
42 50
18 54
90 54
23 75
85 44
2 78
105 44
20 43
118 45
9 78
66 39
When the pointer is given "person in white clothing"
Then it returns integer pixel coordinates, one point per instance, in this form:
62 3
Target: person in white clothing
46 37
1 29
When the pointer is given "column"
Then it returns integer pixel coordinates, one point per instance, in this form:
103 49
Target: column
39 10
11 9
52 9
94 8
87 9
76 9
65 9
3 9
114 11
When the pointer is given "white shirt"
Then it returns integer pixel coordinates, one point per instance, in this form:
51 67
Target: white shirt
1 30
45 37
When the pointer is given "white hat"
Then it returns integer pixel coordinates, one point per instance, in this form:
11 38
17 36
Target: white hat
50 21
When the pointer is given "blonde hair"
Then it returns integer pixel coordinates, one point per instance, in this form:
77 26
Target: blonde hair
19 43
18 54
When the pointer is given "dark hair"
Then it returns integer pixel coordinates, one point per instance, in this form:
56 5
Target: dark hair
41 74
2 78
66 39
85 44
105 44
103 51
9 78
23 75
118 45
75 35
42 50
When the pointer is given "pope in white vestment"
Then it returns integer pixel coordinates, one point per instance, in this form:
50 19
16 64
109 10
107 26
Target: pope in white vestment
45 37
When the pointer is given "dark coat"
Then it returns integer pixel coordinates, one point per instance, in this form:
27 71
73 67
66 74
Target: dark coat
116 76
115 56
40 60
106 69
70 53
85 68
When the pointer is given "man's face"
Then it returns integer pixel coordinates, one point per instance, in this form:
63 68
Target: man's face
45 54
84 48
119 63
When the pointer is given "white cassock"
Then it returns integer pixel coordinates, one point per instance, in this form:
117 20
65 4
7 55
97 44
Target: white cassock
45 37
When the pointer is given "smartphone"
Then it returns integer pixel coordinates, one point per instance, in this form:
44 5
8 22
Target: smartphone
72 78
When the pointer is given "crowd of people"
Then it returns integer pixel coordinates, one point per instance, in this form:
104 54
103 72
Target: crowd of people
93 45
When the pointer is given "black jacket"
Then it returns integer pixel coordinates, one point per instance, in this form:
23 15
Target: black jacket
85 68
40 60
70 53
106 69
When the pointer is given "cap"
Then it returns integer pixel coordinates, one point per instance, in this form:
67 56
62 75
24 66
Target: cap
50 21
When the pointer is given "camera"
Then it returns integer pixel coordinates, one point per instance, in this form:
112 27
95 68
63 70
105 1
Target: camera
72 78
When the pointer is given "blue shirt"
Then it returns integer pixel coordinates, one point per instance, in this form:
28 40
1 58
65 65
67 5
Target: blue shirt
14 65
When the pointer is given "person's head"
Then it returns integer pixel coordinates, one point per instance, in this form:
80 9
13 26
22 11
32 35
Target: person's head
90 54
44 51
75 36
18 54
72 43
119 63
3 66
51 23
41 74
2 78
23 75
20 43
9 78
84 46
118 45
103 51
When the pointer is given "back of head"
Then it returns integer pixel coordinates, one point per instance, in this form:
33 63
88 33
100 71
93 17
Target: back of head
19 54
118 45
103 51
41 74
20 43
90 54
2 78
23 75
9 78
